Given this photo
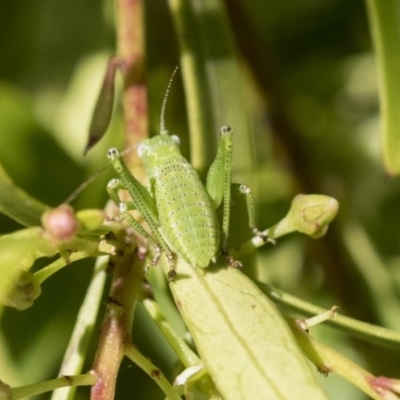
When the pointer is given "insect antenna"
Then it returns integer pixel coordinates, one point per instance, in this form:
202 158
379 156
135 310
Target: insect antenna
92 178
163 130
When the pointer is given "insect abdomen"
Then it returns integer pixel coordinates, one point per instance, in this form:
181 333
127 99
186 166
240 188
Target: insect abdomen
187 218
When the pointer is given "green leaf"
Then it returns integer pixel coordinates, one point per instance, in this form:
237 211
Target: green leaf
241 337
18 204
384 19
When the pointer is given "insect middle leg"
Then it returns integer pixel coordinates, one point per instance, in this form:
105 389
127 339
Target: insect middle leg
251 209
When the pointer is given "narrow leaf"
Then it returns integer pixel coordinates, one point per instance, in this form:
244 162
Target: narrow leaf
384 19
18 204
104 106
85 322
212 83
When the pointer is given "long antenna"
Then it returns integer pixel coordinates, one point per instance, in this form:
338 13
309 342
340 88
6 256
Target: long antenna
88 181
163 130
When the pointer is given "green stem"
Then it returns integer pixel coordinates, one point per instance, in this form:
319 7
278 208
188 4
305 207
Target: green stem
328 360
185 354
47 386
152 371
60 263
368 332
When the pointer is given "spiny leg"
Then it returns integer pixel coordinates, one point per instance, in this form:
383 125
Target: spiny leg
251 209
142 202
124 207
219 187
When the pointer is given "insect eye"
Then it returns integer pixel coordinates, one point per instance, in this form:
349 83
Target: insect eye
141 149
176 139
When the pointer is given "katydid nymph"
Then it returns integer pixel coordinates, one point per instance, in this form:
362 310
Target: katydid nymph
178 202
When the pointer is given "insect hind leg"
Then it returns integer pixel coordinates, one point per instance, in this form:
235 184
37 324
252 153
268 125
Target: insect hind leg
218 186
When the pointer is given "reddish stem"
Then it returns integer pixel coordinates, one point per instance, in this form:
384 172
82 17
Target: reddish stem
116 327
131 49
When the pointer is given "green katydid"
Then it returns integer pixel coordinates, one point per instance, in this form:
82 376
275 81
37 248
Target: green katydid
179 203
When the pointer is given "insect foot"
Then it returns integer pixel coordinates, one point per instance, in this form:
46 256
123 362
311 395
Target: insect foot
154 261
231 261
225 129
112 153
171 275
262 236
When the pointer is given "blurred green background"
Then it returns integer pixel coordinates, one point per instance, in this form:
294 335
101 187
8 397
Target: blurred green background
311 91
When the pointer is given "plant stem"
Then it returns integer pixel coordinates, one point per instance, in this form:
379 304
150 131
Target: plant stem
184 352
151 370
130 44
365 331
47 386
328 360
116 327
55 266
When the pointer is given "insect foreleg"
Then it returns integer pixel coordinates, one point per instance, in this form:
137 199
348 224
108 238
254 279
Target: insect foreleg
112 189
124 208
142 202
